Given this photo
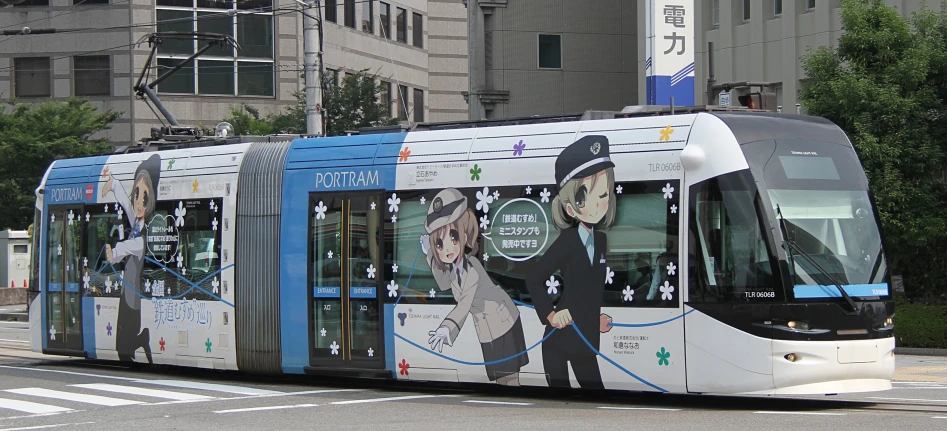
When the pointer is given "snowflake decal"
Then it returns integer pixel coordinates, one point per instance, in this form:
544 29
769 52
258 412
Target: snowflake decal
323 332
216 285
393 203
403 366
496 195
668 191
486 256
334 347
529 190
394 218
432 293
484 222
321 211
423 200
373 206
394 268
618 189
628 294
552 285
608 275
392 289
672 269
484 199
329 254
673 209
371 271
371 352
179 213
544 195
666 291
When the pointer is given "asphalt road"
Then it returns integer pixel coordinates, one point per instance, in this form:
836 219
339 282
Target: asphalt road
44 392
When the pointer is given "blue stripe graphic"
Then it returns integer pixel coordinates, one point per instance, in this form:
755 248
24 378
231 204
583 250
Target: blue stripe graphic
817 291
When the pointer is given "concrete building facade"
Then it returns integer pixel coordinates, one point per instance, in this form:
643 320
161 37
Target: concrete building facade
764 41
95 53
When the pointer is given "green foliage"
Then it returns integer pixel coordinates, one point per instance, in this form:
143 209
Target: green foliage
32 136
923 326
348 107
886 87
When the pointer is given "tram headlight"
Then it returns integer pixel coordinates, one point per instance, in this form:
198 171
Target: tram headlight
800 326
889 321
791 357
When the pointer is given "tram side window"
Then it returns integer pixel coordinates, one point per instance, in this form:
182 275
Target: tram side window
729 258
98 276
183 249
643 246
404 215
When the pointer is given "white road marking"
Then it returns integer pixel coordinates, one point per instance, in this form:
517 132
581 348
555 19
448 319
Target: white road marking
30 407
71 396
907 399
640 408
15 341
210 387
101 376
45 426
284 394
938 417
177 396
498 402
254 409
379 400
800 413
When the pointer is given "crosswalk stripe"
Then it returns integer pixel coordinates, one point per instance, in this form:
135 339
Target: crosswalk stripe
70 396
177 396
30 407
210 387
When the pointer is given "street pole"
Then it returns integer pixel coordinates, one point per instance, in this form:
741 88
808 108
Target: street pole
312 68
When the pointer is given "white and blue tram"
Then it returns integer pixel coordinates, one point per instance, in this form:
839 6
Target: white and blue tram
702 253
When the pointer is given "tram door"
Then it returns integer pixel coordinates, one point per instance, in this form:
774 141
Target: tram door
63 265
345 240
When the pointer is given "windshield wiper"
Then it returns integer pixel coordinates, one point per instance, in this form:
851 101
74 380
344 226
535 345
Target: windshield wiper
808 258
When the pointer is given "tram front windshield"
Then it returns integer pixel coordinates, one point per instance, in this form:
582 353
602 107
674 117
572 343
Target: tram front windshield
821 194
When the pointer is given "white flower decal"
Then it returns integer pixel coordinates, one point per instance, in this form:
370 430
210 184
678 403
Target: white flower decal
213 206
544 195
120 213
629 295
216 285
71 218
496 195
85 262
85 280
180 260
394 267
215 224
147 286
59 250
608 275
666 291
673 209
433 293
179 213
321 210
371 352
373 206
552 285
618 189
529 190
394 218
371 271
672 269
322 332
423 200
392 289
52 218
106 207
484 199
52 334
87 217
484 222
393 203
486 256
334 347
329 254
668 191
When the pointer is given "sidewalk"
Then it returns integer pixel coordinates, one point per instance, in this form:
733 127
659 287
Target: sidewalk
13 312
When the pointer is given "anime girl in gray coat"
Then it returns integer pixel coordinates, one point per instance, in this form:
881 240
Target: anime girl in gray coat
129 335
450 248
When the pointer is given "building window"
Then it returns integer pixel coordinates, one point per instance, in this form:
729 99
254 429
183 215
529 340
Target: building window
31 77
368 16
384 16
332 11
21 249
418 105
550 51
402 23
746 10
384 97
715 13
219 70
402 102
777 7
331 77
418 30
810 4
91 75
349 13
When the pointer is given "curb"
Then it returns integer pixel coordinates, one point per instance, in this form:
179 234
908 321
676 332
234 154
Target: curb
19 317
919 351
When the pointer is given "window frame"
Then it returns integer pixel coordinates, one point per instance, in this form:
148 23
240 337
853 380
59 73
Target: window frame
777 8
715 13
76 75
370 5
539 63
810 5
418 105
402 102
332 11
747 12
401 24
417 30
348 12
384 96
384 19
17 71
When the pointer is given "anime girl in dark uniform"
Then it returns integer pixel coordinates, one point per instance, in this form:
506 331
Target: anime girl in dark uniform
583 208
129 335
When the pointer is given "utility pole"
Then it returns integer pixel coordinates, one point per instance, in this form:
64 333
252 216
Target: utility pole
312 49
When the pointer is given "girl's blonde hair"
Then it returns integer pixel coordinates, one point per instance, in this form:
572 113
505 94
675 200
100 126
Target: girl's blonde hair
567 194
466 225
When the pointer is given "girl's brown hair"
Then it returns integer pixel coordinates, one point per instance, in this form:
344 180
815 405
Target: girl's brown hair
567 194
466 225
